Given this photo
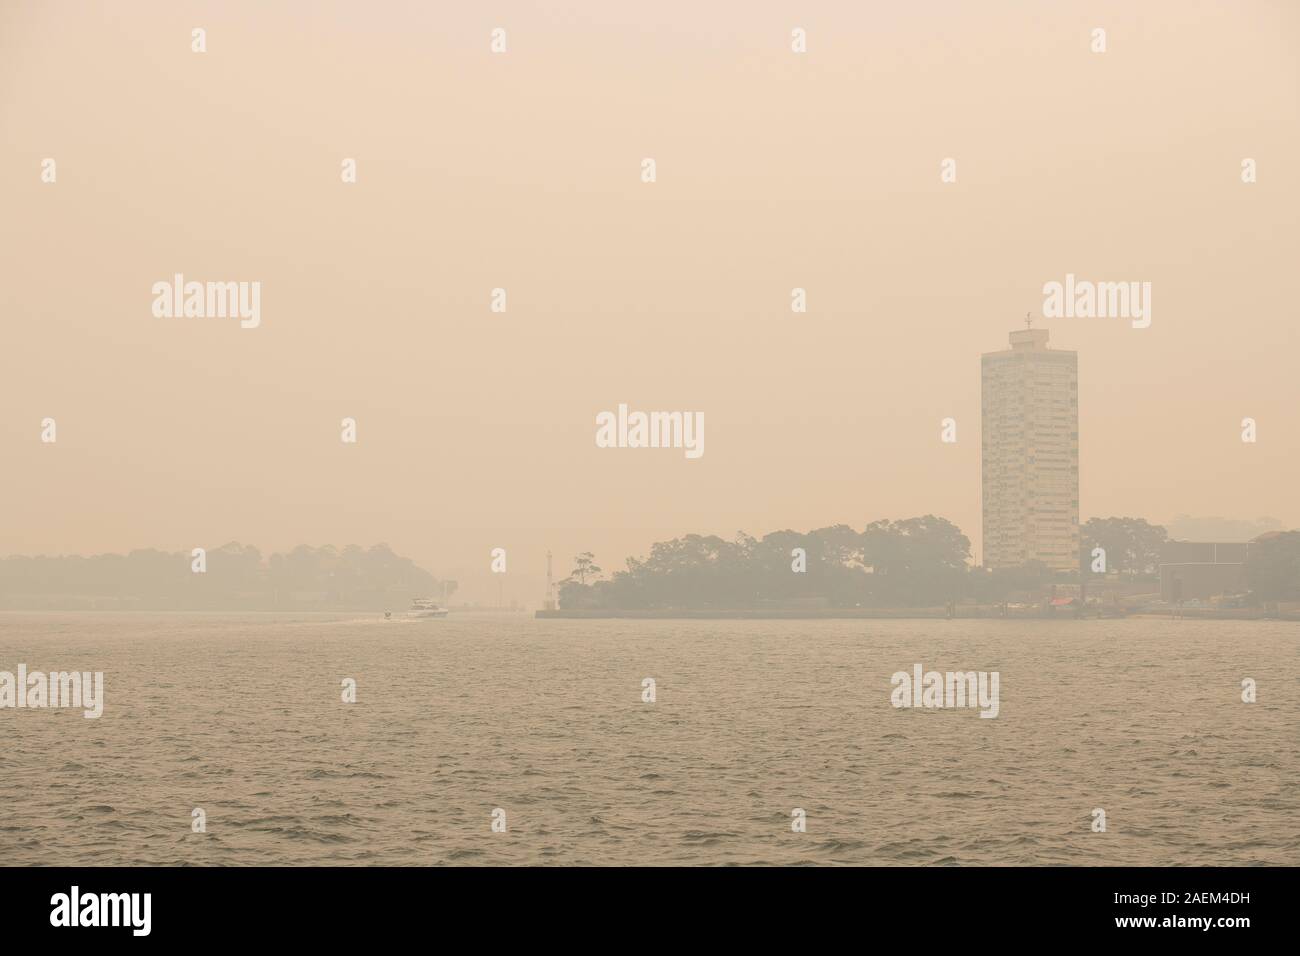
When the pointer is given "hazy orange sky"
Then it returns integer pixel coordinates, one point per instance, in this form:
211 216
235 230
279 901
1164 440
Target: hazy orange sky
522 170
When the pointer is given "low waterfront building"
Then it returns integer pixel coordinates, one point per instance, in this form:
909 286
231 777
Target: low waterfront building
1199 570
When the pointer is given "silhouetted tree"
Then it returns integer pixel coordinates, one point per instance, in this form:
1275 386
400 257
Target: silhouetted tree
584 567
1132 544
1273 566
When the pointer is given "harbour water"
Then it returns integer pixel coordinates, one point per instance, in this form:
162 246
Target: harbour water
241 716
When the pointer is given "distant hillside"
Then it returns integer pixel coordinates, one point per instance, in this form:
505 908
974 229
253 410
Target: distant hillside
232 577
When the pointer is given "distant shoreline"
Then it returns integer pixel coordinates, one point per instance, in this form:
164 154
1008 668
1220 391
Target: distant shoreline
735 614
937 613
743 615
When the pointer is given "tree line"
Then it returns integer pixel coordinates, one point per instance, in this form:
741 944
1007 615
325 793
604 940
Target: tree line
233 577
913 562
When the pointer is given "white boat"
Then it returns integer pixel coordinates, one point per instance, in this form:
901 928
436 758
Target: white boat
426 607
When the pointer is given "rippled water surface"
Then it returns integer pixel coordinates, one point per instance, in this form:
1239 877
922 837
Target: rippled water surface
241 715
